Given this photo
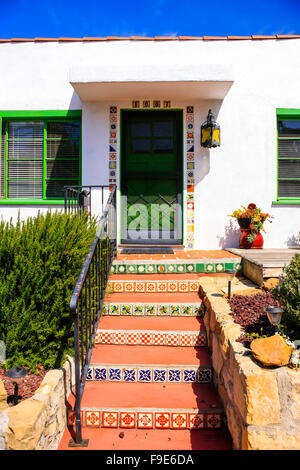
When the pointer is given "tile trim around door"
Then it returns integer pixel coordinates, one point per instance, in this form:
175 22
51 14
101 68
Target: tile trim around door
188 202
189 159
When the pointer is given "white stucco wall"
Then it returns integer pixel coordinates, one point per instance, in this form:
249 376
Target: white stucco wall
266 76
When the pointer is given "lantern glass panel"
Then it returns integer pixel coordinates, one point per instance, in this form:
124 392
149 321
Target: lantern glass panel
216 137
206 136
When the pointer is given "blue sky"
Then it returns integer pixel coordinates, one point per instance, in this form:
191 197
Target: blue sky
74 18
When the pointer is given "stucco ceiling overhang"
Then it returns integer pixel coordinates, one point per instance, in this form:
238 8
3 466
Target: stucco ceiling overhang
185 82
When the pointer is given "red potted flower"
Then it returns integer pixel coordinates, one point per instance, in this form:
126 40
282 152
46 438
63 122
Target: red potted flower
251 220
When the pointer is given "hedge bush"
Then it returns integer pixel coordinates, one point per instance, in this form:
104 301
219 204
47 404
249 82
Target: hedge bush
40 260
288 293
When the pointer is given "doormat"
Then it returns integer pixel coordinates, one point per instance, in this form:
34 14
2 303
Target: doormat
147 251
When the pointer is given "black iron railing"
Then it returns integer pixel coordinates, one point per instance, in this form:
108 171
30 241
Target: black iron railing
90 198
87 299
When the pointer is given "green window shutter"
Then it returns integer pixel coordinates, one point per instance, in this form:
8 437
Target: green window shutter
289 157
2 159
40 153
63 157
25 147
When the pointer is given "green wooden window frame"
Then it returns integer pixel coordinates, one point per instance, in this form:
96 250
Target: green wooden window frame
286 115
45 117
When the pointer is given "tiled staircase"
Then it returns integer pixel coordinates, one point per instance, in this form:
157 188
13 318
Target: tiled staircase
150 382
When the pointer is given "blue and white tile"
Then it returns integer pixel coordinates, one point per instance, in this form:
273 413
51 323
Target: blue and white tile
100 373
160 374
144 374
114 374
90 374
129 375
189 375
174 374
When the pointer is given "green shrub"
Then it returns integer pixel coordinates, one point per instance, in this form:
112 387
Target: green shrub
288 293
40 261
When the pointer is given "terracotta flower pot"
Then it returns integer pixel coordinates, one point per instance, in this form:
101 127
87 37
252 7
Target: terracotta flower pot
257 243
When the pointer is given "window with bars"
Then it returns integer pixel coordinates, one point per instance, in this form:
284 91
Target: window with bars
288 128
39 158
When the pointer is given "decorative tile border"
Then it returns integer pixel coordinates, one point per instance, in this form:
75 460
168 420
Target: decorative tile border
150 374
151 338
190 177
169 286
113 144
189 155
175 267
149 419
153 309
146 104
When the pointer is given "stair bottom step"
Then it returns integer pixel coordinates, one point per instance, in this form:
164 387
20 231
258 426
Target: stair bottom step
192 419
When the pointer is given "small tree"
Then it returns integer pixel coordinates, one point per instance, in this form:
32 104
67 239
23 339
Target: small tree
288 293
40 261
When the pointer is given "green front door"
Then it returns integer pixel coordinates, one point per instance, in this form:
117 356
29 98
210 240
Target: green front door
151 177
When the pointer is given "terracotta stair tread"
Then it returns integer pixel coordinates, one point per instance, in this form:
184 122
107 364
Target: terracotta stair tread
151 439
153 297
188 255
150 355
161 323
156 396
156 277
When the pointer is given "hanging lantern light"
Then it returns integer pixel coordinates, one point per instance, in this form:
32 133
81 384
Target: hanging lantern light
210 132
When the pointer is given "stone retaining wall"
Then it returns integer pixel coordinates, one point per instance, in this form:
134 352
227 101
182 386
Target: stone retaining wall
262 405
38 422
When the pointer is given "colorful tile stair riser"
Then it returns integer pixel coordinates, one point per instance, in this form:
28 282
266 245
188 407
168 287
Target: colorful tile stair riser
151 338
152 286
189 310
150 374
174 268
148 420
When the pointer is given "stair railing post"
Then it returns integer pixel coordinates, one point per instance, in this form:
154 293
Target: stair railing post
78 437
77 441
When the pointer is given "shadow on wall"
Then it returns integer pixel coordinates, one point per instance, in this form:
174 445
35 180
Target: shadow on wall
203 162
75 102
231 236
293 241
